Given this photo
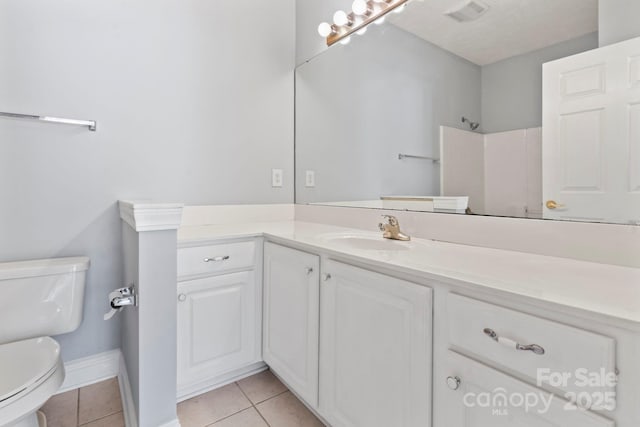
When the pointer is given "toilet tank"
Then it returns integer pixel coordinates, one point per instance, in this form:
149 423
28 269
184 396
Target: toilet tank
41 297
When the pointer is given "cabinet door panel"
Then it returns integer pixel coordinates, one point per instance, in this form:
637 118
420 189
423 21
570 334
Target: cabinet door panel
291 306
375 363
478 402
216 326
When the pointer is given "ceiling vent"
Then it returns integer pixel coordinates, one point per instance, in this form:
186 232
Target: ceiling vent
469 11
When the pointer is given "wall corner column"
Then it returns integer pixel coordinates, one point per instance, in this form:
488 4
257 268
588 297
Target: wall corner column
149 236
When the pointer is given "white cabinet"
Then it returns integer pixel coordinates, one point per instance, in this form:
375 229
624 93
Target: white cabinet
479 396
219 318
290 318
375 349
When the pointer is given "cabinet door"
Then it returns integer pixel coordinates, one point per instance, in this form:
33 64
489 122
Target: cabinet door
479 396
290 322
375 349
217 329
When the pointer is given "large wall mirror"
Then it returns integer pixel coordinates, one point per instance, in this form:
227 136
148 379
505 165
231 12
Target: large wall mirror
440 108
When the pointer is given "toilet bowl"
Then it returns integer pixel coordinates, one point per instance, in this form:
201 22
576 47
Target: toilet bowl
39 298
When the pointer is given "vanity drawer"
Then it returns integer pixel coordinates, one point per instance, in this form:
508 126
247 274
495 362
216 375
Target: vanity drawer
213 259
492 333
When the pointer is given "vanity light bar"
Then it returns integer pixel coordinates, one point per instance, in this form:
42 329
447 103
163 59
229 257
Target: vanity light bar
364 12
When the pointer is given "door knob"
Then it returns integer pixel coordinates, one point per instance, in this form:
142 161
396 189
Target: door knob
453 383
552 204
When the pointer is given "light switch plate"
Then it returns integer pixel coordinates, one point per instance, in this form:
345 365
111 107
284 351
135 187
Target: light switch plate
310 179
276 177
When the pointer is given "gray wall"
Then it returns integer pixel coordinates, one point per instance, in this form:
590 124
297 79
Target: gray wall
512 88
618 20
360 105
194 102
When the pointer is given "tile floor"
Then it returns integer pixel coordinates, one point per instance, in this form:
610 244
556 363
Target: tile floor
97 405
257 401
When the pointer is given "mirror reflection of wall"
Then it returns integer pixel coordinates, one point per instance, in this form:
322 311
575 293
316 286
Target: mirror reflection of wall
426 106
358 106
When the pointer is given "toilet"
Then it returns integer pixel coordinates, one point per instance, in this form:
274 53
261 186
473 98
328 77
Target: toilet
38 299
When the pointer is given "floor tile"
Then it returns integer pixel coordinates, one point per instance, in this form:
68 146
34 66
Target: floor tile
286 410
99 400
261 387
247 418
62 410
210 407
115 420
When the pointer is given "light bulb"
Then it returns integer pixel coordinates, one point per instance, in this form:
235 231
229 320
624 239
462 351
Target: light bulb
340 18
360 7
345 40
379 21
325 29
361 31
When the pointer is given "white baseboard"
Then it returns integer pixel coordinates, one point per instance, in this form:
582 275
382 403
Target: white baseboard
128 406
209 384
91 370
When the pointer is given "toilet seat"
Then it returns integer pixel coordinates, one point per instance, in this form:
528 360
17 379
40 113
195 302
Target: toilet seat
31 371
24 365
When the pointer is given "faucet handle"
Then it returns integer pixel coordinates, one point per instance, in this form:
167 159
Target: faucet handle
393 221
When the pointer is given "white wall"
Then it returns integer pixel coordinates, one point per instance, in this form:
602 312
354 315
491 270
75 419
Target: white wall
512 88
462 166
513 173
360 105
194 102
618 20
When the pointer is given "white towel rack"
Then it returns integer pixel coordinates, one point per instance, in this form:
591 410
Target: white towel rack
91 124
411 156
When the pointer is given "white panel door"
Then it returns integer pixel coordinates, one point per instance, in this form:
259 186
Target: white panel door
216 326
291 318
591 135
485 397
375 349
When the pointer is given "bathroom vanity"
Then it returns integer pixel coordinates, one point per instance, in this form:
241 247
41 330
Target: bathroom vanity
372 332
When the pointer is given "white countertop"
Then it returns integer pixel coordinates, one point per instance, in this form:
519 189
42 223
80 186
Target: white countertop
608 290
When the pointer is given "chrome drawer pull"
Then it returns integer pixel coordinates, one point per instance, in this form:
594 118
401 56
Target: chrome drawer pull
535 348
217 259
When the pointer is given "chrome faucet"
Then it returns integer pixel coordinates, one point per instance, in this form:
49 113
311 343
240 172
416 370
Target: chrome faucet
391 229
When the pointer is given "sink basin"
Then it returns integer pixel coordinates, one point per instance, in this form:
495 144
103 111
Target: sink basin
367 242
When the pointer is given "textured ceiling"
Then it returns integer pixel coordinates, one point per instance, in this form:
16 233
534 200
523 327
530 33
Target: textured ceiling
508 28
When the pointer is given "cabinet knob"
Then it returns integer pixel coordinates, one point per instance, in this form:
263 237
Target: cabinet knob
182 297
308 270
326 277
453 383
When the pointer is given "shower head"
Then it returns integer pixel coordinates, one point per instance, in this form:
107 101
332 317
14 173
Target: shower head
472 125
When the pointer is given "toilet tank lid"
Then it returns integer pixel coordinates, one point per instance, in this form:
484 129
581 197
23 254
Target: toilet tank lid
42 267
